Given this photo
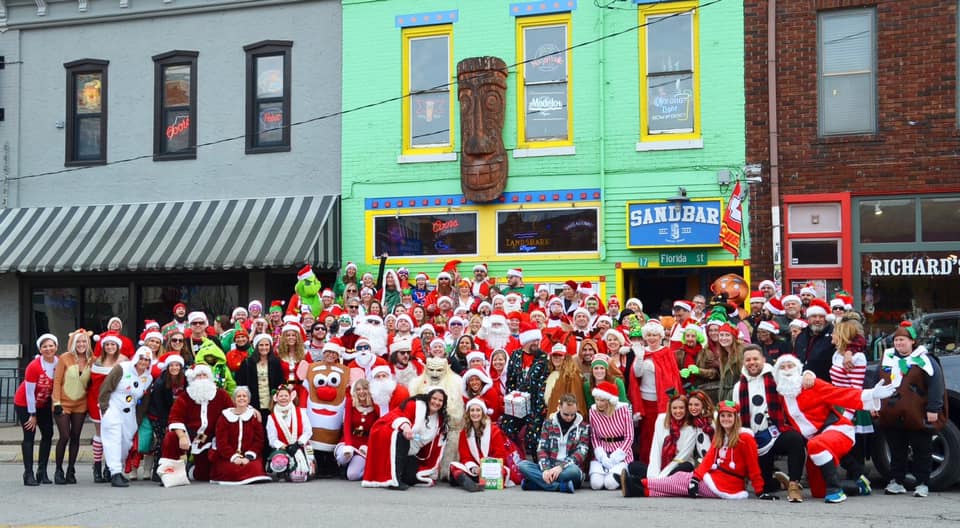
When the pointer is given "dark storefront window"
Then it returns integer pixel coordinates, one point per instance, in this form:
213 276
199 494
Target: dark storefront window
887 221
940 219
426 234
156 302
100 304
546 231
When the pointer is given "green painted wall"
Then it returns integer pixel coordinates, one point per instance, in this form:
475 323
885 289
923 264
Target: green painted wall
606 118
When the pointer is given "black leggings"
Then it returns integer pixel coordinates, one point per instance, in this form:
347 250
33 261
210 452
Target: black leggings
406 465
69 427
793 445
45 425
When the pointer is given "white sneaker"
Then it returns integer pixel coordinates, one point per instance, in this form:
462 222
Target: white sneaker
921 491
894 488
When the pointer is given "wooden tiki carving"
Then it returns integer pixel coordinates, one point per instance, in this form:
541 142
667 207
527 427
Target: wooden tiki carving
482 88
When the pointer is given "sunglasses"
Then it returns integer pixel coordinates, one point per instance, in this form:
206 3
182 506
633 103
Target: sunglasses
197 323
353 307
835 308
364 348
456 324
176 340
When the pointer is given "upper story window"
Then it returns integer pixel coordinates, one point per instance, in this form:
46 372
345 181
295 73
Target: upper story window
175 106
544 95
427 76
86 123
268 96
847 84
669 72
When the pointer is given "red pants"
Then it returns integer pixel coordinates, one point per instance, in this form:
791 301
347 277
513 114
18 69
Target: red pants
828 446
647 427
171 449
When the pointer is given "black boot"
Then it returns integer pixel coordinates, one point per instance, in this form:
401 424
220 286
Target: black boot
28 479
58 477
42 477
106 474
119 481
631 485
98 472
154 476
468 483
71 475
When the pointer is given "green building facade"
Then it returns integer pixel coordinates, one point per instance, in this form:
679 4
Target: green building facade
624 132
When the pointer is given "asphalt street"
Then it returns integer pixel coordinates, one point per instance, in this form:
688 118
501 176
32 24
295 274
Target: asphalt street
339 503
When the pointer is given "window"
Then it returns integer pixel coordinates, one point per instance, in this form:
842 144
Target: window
268 96
175 106
546 119
535 231
669 72
86 142
892 220
847 86
426 234
427 75
814 252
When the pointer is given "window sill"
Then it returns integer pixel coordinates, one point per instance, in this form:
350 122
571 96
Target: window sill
175 157
840 139
268 150
84 163
544 151
427 158
682 144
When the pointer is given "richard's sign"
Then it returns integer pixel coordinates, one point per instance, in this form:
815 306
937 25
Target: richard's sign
658 224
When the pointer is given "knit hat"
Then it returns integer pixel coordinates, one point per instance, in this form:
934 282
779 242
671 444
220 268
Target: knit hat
529 333
178 306
606 391
906 329
497 316
405 317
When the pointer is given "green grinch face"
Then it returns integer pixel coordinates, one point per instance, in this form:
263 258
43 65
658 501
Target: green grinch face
308 287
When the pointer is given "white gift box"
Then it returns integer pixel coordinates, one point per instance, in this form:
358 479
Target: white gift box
517 404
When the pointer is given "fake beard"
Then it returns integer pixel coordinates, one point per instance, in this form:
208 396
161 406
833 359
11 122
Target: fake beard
377 335
382 390
789 383
364 359
509 307
495 338
202 390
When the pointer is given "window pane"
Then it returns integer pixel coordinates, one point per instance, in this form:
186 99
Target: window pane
176 85
848 105
176 131
940 219
669 44
88 138
270 122
670 103
546 231
847 41
543 47
887 221
546 112
426 234
430 119
270 76
89 95
814 252
55 311
100 304
157 301
429 63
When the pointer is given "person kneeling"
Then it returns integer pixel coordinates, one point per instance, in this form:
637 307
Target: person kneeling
611 428
561 452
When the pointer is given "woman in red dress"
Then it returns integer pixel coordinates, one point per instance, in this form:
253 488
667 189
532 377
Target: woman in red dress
360 415
291 352
238 444
482 438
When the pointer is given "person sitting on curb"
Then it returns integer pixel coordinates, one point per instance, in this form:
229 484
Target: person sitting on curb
561 452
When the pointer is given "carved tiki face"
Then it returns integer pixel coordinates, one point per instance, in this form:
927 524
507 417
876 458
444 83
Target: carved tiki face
482 91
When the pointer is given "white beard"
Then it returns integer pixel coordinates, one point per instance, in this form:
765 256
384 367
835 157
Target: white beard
789 384
382 391
364 359
494 338
202 390
377 335
509 308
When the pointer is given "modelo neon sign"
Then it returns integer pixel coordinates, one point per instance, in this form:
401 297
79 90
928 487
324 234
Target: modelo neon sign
179 126
912 267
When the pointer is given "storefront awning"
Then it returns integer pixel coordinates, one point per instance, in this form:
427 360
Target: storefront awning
203 235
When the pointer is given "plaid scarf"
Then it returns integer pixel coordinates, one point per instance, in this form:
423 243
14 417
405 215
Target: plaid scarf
774 402
705 424
669 450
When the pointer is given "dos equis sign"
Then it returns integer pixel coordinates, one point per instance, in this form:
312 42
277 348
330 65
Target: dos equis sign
663 224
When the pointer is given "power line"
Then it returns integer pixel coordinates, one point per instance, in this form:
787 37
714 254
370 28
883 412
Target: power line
510 69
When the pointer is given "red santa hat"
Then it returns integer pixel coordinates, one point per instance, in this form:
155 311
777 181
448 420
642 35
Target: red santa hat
515 272
150 334
542 287
798 323
444 298
400 344
295 326
585 288
477 402
449 270
554 300
484 304
169 359
818 307
334 345
728 328
518 316
423 276
757 297
56 341
276 306
106 337
150 323
498 316
602 318
198 368
788 358
529 333
606 391
769 326
178 306
572 284
475 354
480 267
380 365
634 300
427 327
837 302
791 298
581 310
613 301
768 282
808 289
774 306
617 334
683 304
305 272
536 309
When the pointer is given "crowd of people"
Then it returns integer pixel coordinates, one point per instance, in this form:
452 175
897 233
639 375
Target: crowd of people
397 382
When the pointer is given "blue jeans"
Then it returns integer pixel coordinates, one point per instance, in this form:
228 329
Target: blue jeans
534 476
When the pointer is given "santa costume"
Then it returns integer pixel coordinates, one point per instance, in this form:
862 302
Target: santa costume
238 436
393 460
196 412
386 392
357 423
492 443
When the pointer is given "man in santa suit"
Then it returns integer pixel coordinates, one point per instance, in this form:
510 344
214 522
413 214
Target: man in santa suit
362 358
405 369
813 411
494 333
372 329
481 282
681 320
386 393
193 421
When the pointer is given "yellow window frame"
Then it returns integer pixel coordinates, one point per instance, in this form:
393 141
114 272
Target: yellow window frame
659 10
408 35
524 23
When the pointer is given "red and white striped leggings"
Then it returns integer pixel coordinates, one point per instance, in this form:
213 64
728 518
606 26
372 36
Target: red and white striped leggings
675 486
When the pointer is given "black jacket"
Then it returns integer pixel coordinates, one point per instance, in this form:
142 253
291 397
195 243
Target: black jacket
816 352
247 375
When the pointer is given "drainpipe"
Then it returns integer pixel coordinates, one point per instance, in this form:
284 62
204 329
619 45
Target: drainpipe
774 147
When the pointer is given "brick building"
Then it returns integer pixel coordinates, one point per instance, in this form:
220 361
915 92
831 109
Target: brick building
862 191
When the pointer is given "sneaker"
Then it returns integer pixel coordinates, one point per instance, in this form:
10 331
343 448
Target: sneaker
864 484
921 491
835 497
783 479
894 488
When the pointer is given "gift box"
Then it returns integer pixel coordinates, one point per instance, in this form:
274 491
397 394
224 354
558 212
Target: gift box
491 473
516 404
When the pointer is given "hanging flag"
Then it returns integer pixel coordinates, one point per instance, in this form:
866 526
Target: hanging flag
732 226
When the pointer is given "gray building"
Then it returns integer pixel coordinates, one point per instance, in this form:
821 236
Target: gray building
158 151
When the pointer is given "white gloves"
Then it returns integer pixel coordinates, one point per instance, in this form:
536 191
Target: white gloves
883 390
617 456
601 456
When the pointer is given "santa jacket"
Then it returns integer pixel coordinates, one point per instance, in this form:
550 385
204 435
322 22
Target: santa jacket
725 470
492 444
577 441
815 409
193 418
357 424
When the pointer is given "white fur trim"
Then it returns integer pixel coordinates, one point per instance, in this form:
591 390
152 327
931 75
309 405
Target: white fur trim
603 395
530 336
816 310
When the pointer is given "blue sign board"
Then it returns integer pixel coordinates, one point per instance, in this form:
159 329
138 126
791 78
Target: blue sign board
663 224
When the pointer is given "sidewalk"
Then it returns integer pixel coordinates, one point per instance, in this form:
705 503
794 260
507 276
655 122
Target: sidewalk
11 436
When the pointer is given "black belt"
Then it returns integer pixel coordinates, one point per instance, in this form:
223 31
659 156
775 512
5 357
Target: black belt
613 439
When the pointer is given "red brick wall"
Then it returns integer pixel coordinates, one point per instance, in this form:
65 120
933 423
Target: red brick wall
917 81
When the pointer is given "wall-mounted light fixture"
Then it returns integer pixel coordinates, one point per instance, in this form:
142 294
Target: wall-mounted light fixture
679 199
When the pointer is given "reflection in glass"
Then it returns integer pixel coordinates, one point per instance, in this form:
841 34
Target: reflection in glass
669 44
940 219
88 138
176 85
270 76
429 63
89 93
157 301
543 48
887 221
429 119
100 304
55 310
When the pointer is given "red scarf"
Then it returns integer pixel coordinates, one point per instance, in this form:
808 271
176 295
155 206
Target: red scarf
667 376
669 450
705 424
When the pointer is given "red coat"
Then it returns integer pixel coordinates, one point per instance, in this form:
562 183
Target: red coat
810 409
399 395
238 436
493 399
492 444
357 424
380 470
733 467
186 415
